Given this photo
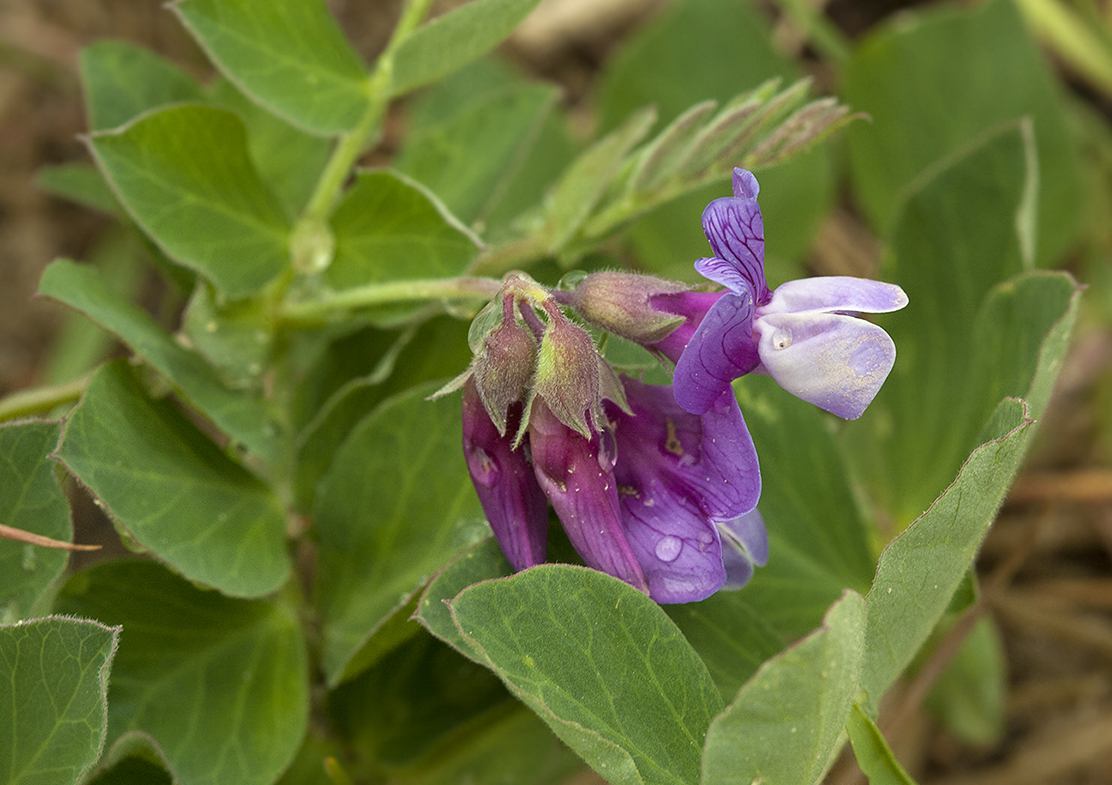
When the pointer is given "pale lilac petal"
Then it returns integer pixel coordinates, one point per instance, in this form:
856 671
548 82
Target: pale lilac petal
835 294
834 361
748 533
739 570
512 500
578 479
735 230
720 351
744 545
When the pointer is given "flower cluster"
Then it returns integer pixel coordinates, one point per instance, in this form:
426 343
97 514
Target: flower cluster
658 485
654 495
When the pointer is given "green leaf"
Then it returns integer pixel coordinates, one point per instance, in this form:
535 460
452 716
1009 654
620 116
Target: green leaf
235 337
121 259
478 563
31 500
586 180
818 541
310 767
920 570
434 349
218 686
448 109
388 227
785 725
54 687
913 78
873 754
453 40
173 490
756 129
969 697
289 55
470 159
1021 333
659 158
973 332
601 663
185 175
80 183
245 417
509 745
122 81
731 635
398 713
289 160
395 506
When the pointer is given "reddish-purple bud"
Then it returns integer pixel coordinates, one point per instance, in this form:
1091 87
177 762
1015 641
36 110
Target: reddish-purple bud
622 303
577 475
568 374
508 490
503 369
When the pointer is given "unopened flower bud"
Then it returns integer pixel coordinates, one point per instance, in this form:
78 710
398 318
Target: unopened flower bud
568 374
621 303
513 501
503 370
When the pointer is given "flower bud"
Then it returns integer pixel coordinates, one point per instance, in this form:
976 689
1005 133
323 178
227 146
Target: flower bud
567 375
503 370
577 476
621 303
512 499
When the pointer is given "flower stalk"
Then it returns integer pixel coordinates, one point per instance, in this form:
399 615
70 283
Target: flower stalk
326 305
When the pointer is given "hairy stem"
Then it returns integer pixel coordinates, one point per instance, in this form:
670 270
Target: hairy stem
352 144
320 309
40 400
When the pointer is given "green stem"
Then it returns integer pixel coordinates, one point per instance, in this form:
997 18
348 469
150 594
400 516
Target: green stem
40 400
318 310
352 144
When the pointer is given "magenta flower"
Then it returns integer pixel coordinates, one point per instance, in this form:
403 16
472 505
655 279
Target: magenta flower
655 496
577 476
661 499
514 504
684 480
803 334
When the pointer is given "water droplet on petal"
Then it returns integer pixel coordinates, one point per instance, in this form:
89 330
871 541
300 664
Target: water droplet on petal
668 548
484 469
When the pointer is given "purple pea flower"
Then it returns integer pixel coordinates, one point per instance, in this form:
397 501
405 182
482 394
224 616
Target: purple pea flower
681 478
577 476
661 499
803 334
